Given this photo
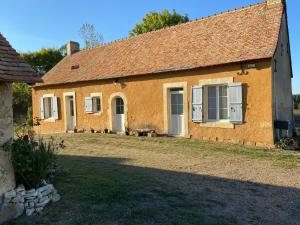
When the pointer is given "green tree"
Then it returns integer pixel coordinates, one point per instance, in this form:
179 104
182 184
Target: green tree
43 60
21 101
90 36
158 20
296 101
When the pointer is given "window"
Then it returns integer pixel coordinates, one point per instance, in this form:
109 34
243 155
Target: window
213 102
48 105
217 103
96 104
93 103
119 106
177 102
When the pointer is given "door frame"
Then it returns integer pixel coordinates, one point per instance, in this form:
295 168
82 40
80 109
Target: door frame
167 111
70 94
170 102
111 110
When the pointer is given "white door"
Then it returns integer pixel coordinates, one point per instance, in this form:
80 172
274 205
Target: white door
70 113
177 116
119 123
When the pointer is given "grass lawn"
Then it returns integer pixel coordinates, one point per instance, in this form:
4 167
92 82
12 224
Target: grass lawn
112 179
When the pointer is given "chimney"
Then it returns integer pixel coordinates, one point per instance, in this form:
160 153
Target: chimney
271 2
72 47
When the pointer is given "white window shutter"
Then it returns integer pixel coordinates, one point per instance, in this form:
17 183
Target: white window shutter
55 108
236 103
42 114
88 105
197 104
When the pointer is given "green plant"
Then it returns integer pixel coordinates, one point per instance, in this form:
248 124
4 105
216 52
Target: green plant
33 161
285 143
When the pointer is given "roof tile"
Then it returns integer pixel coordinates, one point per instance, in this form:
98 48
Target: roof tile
243 34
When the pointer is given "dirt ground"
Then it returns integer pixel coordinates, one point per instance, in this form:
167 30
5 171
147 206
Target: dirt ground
111 179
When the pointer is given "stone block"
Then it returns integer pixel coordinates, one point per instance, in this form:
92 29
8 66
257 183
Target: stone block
29 212
10 194
56 197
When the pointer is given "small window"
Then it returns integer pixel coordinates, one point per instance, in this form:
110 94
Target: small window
96 104
119 106
217 103
48 107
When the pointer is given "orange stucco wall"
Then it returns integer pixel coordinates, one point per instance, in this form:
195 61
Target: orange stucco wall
145 99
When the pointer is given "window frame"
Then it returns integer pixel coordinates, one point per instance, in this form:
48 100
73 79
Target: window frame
96 95
49 119
206 96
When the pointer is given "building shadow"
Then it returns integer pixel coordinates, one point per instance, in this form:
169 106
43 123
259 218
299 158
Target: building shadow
107 190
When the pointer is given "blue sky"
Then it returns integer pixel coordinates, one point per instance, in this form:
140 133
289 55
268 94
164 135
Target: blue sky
33 24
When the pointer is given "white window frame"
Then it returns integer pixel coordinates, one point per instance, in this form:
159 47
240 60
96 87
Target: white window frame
217 103
97 94
50 119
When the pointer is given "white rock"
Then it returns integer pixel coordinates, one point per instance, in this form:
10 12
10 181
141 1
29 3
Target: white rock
43 204
10 194
44 199
45 188
20 188
18 199
39 209
55 198
29 205
30 195
29 212
46 192
19 209
30 191
22 193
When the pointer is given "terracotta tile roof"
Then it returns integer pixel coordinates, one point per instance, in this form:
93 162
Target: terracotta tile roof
243 34
12 67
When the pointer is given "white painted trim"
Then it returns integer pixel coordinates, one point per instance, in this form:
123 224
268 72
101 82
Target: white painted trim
216 81
166 101
66 94
218 124
98 94
47 95
110 109
51 119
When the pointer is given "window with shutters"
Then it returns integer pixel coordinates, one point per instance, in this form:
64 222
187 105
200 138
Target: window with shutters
48 106
217 103
96 104
93 103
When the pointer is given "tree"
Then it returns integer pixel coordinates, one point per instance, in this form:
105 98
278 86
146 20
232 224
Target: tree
158 20
43 60
21 101
90 36
296 101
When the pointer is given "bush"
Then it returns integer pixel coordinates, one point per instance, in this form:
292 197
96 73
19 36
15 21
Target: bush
33 161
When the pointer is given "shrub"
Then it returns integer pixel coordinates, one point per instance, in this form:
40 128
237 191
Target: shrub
287 143
33 161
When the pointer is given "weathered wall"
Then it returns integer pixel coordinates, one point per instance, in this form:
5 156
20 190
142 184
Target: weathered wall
145 102
6 122
282 83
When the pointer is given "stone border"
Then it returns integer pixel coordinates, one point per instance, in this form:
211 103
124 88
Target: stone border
19 201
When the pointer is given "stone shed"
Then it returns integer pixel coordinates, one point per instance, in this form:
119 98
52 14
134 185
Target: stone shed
12 69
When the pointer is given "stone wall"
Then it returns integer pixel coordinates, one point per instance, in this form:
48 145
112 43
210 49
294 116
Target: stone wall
6 132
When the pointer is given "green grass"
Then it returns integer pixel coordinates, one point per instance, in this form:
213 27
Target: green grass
106 179
192 147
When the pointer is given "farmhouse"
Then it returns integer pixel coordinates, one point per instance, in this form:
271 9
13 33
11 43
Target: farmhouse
12 69
225 78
